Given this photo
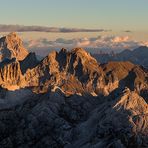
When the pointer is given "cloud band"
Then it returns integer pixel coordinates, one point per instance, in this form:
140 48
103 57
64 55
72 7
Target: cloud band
21 28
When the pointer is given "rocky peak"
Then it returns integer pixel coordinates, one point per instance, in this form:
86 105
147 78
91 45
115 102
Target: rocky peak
77 68
79 50
66 69
81 53
130 100
74 72
68 61
63 50
12 46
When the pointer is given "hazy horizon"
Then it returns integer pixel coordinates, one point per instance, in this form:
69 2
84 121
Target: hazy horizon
49 24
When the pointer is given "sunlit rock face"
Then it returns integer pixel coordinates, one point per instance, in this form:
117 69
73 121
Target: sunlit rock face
11 46
70 100
74 72
10 74
77 72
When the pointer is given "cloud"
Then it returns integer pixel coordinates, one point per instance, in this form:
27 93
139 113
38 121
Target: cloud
144 43
106 43
120 39
128 31
21 28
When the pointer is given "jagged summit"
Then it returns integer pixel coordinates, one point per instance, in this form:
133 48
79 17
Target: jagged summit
79 50
69 70
74 72
130 100
12 35
12 46
82 54
63 50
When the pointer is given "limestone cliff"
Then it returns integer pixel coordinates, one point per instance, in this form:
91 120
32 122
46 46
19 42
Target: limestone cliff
10 74
11 46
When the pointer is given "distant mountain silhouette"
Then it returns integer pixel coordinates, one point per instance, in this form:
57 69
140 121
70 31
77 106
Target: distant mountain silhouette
137 56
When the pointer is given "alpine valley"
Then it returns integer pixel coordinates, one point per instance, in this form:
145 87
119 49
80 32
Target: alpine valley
70 100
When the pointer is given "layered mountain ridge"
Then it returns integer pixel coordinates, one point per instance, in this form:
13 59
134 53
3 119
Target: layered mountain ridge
74 72
136 56
68 99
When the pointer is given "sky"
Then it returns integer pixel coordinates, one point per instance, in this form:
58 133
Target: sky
108 14
122 17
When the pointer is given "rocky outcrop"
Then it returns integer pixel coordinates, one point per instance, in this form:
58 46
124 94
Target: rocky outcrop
125 74
10 75
74 72
121 122
54 120
11 46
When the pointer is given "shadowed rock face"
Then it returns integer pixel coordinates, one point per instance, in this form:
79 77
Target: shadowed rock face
70 100
29 62
54 120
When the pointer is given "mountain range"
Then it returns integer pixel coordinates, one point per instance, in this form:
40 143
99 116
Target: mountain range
69 99
137 56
